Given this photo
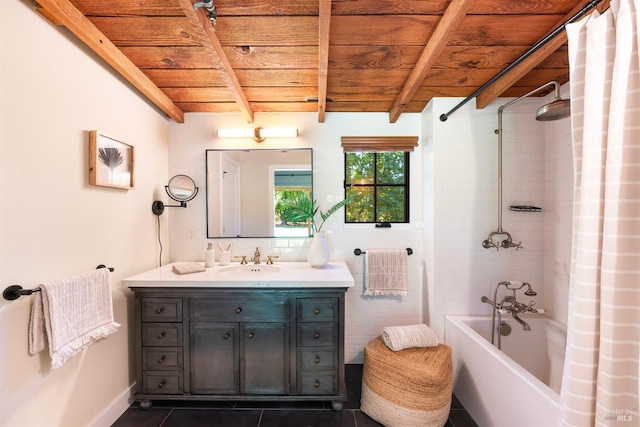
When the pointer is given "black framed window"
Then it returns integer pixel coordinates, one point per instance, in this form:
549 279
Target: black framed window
381 182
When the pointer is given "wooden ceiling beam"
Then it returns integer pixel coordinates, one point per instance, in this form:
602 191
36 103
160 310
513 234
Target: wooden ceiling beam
455 13
516 73
324 24
62 12
207 36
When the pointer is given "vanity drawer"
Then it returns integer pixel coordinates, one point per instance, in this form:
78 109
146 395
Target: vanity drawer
317 359
162 334
161 358
317 309
321 382
162 309
239 310
162 382
317 334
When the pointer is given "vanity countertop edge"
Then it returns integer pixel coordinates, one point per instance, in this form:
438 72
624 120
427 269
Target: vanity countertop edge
335 274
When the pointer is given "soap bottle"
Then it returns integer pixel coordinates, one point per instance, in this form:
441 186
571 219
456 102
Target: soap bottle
209 256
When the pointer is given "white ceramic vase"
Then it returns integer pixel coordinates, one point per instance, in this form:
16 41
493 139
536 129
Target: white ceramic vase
318 253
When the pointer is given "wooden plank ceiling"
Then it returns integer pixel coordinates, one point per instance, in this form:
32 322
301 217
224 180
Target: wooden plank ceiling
319 55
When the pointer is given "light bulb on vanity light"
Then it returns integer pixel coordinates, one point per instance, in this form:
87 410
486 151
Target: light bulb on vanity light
258 134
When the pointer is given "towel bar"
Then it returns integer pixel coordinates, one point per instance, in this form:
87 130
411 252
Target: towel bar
16 291
359 252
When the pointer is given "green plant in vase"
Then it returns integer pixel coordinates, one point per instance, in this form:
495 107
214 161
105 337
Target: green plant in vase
303 209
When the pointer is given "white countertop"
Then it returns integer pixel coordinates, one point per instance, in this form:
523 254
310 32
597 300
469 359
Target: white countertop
290 275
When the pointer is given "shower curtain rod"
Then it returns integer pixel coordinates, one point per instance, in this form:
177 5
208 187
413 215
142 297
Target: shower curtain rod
587 7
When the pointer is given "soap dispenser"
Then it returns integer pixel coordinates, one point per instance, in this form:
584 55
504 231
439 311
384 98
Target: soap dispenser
209 256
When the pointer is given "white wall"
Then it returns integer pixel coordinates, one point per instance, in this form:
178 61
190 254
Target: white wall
454 178
366 316
54 224
463 209
558 218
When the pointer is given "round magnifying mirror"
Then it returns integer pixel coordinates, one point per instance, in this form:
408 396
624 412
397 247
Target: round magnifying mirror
181 188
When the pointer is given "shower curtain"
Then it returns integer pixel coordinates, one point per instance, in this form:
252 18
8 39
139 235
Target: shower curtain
600 384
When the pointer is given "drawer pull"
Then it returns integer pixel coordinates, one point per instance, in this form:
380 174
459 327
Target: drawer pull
317 384
162 383
317 361
317 311
238 310
162 359
226 335
159 310
162 334
316 335
251 335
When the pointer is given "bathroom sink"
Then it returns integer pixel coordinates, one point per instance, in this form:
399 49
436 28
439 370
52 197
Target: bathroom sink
295 274
250 269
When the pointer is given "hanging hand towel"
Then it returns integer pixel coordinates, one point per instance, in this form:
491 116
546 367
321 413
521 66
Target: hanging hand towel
188 267
401 337
71 314
386 272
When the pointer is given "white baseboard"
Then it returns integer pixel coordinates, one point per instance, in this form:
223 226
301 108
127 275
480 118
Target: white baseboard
115 409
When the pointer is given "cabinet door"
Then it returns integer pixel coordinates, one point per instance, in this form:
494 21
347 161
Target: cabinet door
265 365
214 358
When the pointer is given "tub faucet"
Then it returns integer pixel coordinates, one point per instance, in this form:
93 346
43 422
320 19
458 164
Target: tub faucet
509 304
524 324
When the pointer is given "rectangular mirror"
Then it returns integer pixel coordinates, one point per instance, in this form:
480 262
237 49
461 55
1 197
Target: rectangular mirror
244 186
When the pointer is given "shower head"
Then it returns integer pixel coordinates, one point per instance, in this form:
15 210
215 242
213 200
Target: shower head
555 110
529 292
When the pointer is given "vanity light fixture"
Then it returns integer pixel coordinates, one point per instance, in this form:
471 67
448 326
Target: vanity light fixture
258 134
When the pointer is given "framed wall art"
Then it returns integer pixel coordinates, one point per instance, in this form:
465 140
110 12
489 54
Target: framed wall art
110 162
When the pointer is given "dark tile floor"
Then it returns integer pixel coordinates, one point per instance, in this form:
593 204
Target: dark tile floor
269 414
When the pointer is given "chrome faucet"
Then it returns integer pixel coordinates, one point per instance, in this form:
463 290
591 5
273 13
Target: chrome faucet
505 244
509 304
256 256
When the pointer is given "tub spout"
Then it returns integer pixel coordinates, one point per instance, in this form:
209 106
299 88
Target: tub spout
524 324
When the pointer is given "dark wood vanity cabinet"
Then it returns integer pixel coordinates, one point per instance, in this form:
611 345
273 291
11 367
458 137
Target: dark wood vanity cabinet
253 344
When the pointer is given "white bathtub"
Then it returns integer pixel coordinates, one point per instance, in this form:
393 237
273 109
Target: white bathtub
518 386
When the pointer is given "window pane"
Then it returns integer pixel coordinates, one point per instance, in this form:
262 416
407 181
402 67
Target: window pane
391 204
359 168
360 209
390 168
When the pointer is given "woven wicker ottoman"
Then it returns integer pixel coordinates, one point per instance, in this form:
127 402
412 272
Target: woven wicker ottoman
407 388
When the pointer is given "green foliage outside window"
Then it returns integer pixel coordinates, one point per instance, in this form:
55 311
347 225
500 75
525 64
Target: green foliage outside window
381 182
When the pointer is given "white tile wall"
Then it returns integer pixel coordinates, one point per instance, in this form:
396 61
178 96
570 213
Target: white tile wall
453 207
461 206
365 316
558 219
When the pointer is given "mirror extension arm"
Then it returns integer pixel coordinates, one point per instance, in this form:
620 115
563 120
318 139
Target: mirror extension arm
181 188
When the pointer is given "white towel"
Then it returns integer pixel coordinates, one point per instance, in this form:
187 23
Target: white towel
188 267
386 272
401 337
70 314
